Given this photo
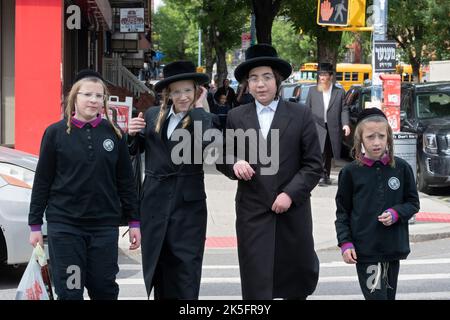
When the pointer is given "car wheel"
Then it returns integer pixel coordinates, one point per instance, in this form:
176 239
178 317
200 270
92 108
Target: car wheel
422 184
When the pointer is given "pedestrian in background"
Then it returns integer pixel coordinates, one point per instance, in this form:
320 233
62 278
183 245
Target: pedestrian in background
84 184
273 211
173 201
326 101
375 199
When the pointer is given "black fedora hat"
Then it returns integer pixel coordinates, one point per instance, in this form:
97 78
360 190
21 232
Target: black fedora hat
180 70
261 55
87 73
370 112
325 67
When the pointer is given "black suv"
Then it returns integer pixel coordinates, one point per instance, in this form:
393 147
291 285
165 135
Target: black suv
425 111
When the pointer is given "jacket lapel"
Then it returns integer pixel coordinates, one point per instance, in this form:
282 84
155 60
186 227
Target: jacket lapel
332 98
251 118
280 120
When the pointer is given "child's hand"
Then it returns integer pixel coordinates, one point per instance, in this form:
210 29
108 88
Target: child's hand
349 256
201 98
385 218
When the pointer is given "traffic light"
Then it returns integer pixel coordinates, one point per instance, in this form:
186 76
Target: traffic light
333 12
341 13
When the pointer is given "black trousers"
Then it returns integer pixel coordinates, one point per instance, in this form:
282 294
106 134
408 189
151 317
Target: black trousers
378 281
82 256
327 155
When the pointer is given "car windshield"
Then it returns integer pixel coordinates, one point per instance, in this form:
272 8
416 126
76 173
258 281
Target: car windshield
433 105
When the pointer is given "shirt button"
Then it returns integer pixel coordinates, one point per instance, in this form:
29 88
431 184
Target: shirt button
90 147
89 137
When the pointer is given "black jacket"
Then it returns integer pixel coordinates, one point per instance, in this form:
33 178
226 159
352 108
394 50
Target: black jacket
363 194
84 177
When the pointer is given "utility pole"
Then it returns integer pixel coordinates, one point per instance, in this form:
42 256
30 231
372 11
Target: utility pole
199 63
379 34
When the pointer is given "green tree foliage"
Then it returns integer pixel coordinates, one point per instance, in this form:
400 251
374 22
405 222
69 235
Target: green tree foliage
173 33
303 14
291 44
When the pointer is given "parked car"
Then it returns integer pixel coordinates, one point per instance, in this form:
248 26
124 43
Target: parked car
17 170
287 90
425 111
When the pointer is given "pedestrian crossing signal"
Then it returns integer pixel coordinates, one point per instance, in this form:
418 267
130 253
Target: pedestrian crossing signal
333 12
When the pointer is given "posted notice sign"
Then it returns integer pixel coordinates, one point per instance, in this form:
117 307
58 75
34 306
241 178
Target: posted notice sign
385 56
120 111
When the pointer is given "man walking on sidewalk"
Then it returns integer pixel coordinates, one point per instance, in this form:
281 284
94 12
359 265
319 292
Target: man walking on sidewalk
326 101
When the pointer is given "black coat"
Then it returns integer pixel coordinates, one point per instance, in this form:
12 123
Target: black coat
337 117
173 212
276 251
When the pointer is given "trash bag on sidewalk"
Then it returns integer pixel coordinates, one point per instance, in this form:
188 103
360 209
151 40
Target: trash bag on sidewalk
35 283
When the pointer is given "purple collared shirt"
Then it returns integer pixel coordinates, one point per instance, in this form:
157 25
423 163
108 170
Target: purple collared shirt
370 162
80 124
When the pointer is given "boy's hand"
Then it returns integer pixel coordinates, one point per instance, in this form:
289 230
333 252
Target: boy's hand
136 124
135 238
243 170
282 203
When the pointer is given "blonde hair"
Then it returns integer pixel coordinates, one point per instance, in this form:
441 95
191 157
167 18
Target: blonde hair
358 140
72 98
164 105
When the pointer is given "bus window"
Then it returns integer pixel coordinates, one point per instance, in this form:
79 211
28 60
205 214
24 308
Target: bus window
354 76
366 76
338 76
347 76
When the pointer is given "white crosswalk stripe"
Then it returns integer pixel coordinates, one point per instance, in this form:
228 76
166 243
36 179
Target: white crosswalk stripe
337 281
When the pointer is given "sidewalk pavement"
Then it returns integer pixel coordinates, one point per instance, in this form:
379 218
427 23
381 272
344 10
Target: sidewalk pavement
432 222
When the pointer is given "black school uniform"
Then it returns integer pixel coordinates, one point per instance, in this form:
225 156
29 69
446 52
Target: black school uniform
84 184
365 191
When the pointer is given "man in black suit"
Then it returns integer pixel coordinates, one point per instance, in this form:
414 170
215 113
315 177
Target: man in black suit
326 101
273 209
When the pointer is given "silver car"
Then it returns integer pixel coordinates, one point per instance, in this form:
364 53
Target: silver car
17 170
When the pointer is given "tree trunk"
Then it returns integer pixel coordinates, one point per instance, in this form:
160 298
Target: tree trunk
327 46
265 12
222 71
208 46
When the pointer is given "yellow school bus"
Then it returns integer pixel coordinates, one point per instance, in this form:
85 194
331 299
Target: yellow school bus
348 74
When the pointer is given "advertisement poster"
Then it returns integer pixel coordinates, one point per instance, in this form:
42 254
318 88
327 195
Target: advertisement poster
120 111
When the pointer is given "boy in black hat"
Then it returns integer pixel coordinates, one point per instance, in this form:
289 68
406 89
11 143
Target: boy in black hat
173 200
326 101
273 223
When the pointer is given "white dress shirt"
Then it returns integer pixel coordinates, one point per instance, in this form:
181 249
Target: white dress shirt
326 102
174 120
265 115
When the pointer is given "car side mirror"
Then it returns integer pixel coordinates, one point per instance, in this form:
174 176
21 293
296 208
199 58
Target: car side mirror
292 99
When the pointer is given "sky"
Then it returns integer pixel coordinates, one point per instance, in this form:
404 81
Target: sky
158 3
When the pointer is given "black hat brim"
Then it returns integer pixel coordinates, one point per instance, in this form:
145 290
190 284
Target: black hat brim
199 78
283 67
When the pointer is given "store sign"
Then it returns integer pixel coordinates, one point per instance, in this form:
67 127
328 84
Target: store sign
132 20
385 56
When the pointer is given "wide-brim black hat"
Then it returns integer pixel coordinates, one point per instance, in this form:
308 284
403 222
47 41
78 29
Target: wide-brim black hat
370 112
87 73
180 70
261 55
325 67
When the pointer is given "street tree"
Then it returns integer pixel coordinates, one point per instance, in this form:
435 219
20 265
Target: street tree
303 14
265 12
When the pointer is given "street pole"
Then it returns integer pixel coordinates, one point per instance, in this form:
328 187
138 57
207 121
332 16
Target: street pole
379 33
253 30
199 63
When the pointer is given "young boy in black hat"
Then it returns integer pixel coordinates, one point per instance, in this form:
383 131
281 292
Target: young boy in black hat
273 210
375 199
84 184
326 101
173 201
